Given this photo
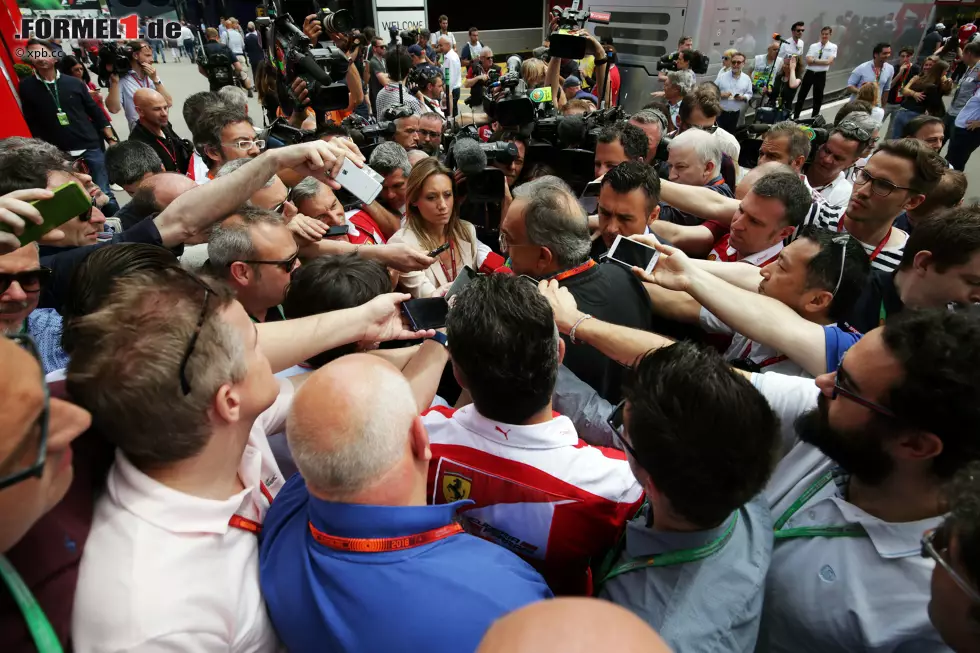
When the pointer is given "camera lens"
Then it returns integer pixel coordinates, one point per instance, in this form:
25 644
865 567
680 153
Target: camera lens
337 22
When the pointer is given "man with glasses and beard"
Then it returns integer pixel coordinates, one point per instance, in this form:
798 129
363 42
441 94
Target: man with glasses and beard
430 133
224 134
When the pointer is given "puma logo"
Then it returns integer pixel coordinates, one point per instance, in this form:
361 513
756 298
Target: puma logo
503 432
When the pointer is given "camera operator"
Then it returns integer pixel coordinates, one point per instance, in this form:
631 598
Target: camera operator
556 72
399 64
431 90
669 61
478 76
406 126
142 74
430 132
428 53
218 72
350 45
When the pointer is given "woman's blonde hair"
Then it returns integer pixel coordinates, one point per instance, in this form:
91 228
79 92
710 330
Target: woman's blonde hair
934 77
869 93
533 72
456 229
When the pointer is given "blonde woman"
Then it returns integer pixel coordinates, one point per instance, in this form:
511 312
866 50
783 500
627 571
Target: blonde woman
923 94
432 221
869 93
726 62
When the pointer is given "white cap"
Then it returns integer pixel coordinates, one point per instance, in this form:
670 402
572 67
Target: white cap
940 26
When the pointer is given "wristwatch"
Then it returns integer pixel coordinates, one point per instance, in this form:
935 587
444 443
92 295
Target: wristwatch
441 338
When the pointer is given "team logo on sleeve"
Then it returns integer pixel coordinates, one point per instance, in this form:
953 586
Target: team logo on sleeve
455 487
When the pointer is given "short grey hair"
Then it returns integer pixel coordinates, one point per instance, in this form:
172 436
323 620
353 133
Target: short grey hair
388 157
234 96
307 189
446 39
704 145
554 219
369 445
231 240
234 165
683 79
649 117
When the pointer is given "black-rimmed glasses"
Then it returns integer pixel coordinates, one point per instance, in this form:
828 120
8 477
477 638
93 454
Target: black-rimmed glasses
935 545
839 389
615 422
880 187
286 265
36 470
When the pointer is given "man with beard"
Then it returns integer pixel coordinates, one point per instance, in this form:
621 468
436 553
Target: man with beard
629 203
430 133
873 446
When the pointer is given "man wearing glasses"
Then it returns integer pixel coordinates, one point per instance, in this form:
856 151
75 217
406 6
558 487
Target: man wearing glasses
795 45
376 72
430 133
21 279
225 133
736 91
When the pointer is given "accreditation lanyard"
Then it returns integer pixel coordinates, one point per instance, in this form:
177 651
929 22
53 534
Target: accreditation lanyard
877 249
780 533
452 262
45 639
250 525
578 269
668 559
383 544
172 155
52 88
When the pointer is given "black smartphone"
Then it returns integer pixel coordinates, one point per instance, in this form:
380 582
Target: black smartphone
339 230
429 313
438 250
463 279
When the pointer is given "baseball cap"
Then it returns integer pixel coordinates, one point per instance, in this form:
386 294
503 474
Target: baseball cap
572 80
415 49
940 26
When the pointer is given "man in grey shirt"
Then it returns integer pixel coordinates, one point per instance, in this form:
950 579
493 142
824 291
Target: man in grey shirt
966 88
701 440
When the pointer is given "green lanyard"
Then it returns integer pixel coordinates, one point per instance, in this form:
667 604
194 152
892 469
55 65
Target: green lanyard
664 560
781 533
55 94
43 634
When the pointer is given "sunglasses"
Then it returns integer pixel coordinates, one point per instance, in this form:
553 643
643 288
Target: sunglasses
36 470
286 265
935 545
615 422
839 389
185 384
30 281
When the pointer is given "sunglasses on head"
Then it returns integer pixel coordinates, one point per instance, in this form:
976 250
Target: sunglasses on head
30 281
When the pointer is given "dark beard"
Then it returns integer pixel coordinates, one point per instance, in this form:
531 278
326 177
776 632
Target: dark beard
859 452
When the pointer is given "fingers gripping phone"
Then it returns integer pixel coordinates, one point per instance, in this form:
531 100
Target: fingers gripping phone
69 201
630 253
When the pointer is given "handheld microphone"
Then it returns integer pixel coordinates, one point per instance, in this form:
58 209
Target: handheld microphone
494 262
470 158
777 37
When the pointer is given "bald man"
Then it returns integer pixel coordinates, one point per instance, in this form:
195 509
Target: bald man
154 129
572 625
152 195
351 557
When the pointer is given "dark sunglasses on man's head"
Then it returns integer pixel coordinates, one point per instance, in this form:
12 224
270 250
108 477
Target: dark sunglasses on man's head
281 206
30 281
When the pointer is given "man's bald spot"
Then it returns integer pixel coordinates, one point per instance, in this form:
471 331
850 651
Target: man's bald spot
167 186
572 625
755 174
145 98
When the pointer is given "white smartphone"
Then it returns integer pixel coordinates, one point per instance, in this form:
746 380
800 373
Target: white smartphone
630 253
363 183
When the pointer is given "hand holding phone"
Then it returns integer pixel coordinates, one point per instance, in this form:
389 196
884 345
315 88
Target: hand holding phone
54 209
631 253
428 313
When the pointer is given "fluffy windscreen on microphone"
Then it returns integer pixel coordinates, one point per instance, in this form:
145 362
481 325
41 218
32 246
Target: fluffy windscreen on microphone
470 159
571 131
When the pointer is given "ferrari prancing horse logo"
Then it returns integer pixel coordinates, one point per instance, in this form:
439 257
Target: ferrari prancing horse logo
455 487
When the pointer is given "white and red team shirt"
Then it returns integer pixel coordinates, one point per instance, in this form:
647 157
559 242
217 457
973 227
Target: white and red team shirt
198 170
723 251
538 490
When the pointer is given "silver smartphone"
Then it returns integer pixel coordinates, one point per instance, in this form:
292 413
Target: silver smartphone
630 254
363 183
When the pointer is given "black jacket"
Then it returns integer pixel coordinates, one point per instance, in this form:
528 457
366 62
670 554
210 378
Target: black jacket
85 118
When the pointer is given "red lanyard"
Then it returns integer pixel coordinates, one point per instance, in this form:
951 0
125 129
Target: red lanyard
250 525
383 544
172 155
452 259
877 72
561 276
881 245
744 356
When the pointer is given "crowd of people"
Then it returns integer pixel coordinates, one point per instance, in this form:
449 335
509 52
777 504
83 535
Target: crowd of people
226 425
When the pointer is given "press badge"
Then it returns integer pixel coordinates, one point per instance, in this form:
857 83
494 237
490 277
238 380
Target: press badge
62 118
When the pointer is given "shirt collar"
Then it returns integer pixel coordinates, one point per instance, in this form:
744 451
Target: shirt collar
177 512
556 432
758 258
358 520
891 540
642 541
57 76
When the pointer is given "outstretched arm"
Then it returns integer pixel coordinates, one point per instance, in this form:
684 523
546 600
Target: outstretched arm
697 200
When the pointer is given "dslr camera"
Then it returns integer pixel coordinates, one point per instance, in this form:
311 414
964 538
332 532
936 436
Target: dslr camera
113 60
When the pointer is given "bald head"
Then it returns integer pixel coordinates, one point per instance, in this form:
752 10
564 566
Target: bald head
571 625
167 186
757 173
416 156
152 108
364 437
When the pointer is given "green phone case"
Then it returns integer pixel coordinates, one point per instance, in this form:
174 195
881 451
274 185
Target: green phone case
69 201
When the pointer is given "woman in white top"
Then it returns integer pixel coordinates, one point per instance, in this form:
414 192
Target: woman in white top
431 221
869 93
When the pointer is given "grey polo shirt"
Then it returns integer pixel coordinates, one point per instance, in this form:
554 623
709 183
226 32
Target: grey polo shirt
714 604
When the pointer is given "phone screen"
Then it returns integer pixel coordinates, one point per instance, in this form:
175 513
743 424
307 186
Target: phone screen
429 313
631 253
466 275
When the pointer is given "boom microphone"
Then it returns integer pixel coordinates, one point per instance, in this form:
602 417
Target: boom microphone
470 159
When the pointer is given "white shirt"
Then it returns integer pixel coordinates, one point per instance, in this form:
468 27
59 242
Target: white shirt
761 67
789 50
837 192
728 143
185 33
164 570
742 348
829 51
236 42
198 170
452 64
727 83
128 85
838 593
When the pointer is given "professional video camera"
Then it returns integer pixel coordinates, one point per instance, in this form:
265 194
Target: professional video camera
323 68
576 131
698 61
562 42
218 66
407 38
508 101
113 60
368 132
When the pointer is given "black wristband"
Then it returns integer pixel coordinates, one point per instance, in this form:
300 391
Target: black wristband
599 62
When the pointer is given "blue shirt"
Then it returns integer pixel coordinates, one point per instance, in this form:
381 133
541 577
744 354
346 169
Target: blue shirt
838 341
438 597
969 112
44 326
866 73
714 604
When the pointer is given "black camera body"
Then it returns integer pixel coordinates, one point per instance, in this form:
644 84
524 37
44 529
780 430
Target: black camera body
699 62
114 59
406 38
562 43
219 68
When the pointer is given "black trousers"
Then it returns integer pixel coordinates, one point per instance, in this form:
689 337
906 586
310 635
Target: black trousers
961 147
817 81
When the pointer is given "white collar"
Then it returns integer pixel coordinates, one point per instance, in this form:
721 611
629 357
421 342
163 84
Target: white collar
758 258
557 432
57 76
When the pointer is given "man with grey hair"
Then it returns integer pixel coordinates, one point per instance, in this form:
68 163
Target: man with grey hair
390 160
653 123
677 84
363 468
130 162
234 96
787 143
254 252
695 160
546 235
